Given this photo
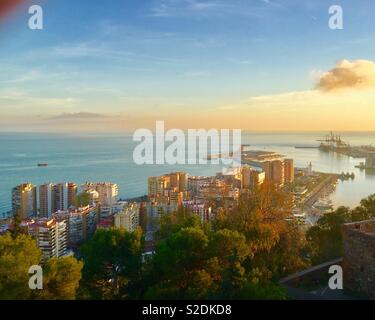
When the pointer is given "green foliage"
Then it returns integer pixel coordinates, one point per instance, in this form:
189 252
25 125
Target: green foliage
112 264
273 241
82 199
61 278
241 256
365 211
172 223
16 228
264 291
179 265
325 238
17 255
191 264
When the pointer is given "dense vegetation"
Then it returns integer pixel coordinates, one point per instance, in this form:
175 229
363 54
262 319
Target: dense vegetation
240 255
325 238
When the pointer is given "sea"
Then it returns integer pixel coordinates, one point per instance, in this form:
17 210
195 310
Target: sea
109 157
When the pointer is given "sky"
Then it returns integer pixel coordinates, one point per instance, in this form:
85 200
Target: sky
262 65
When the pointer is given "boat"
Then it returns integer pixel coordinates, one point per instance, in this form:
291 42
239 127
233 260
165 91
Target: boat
333 142
42 164
361 166
346 176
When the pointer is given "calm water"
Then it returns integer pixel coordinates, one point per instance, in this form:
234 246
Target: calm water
109 158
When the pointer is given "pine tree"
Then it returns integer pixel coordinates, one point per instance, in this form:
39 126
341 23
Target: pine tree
16 228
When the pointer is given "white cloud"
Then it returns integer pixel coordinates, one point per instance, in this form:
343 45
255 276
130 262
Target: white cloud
359 74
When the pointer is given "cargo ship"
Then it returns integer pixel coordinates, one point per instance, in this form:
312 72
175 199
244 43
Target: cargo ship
333 142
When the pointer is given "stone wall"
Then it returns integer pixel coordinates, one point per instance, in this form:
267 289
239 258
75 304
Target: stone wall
359 257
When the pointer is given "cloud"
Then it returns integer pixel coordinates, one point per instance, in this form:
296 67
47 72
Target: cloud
168 8
359 74
208 8
77 116
343 99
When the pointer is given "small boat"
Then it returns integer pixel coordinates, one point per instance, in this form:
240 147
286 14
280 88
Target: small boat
42 164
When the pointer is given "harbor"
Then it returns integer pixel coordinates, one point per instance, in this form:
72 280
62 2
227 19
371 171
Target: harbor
334 143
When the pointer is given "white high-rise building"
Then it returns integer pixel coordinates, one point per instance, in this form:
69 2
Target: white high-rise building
51 236
81 223
128 218
108 193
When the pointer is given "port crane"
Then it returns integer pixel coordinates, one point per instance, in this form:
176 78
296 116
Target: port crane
333 141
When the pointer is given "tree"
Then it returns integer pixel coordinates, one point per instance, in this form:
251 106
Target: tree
175 221
260 216
17 255
113 264
61 278
366 209
262 291
274 242
325 238
180 266
230 250
16 228
83 199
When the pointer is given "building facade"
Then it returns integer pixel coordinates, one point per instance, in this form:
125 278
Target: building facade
56 197
128 218
108 194
24 200
81 223
51 236
289 170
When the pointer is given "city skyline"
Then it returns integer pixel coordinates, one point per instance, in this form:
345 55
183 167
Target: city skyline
251 65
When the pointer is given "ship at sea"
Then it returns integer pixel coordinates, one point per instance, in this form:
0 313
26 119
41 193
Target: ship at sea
42 164
333 142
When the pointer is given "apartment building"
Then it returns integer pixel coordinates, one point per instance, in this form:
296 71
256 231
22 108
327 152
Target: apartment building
108 194
51 236
56 197
24 200
128 217
81 223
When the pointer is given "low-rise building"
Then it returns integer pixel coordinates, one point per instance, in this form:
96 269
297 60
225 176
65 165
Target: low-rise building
128 218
